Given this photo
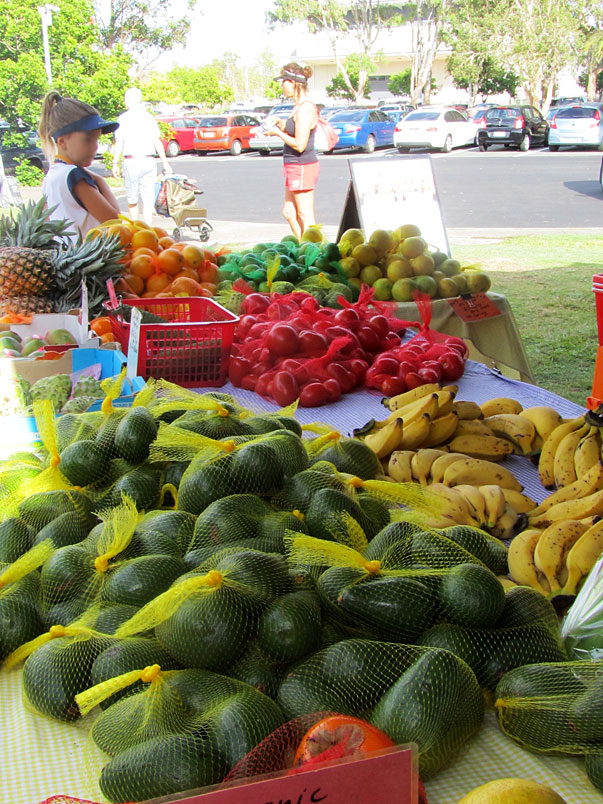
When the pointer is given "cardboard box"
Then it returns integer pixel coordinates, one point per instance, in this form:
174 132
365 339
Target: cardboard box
42 323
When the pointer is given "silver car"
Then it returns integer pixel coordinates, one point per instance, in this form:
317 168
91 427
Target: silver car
578 124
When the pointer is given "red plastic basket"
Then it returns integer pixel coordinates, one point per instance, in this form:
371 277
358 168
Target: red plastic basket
191 349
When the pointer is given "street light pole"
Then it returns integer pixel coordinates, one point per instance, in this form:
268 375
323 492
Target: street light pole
46 15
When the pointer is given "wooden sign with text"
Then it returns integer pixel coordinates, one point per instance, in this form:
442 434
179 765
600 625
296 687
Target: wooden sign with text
474 308
387 777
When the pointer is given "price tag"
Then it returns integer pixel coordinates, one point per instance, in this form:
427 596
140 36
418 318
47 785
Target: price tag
387 778
133 343
112 296
474 308
84 313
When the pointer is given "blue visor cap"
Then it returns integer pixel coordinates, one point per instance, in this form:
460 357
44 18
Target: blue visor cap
89 123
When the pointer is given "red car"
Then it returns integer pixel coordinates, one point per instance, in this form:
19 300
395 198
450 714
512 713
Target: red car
182 134
229 132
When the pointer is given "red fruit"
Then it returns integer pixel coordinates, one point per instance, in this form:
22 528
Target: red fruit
392 386
333 388
283 340
258 329
407 365
436 350
358 367
238 368
413 380
255 303
263 386
285 389
346 317
369 339
385 364
452 366
457 343
429 375
380 324
313 395
434 366
345 378
392 340
249 382
310 341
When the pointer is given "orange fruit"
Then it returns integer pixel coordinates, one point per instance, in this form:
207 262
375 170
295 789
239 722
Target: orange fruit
157 283
142 265
160 232
185 286
170 261
141 225
193 255
142 250
101 325
149 294
124 232
135 282
208 254
188 272
208 271
179 245
166 242
164 295
210 287
145 238
107 337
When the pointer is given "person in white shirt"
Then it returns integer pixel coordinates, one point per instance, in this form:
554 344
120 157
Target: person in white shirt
69 131
138 139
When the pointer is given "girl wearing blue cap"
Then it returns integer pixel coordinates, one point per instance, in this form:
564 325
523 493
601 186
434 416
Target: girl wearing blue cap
69 130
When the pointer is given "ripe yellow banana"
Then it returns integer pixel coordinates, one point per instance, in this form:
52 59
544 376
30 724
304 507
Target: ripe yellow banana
415 434
500 404
450 503
445 401
544 419
399 466
467 410
506 583
401 400
438 467
441 429
472 427
476 472
485 447
505 524
522 568
553 546
412 411
564 469
385 440
475 501
592 505
421 463
495 502
520 502
588 452
592 481
582 557
521 432
546 462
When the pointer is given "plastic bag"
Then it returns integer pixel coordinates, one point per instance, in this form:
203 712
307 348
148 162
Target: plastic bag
582 627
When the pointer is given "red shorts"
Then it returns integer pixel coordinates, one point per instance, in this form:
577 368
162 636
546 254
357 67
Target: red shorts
300 178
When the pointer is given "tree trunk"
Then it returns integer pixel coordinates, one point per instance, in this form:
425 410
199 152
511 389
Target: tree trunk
591 84
427 90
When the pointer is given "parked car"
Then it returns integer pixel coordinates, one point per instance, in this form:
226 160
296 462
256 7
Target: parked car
327 112
438 127
27 148
564 101
518 126
579 124
266 144
366 129
182 134
224 133
478 112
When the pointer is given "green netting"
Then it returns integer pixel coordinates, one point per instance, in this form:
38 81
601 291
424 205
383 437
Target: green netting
346 454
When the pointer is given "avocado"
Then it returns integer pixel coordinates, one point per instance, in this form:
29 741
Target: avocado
273 526
298 490
490 550
289 627
172 473
256 469
16 537
178 525
41 508
325 517
111 616
134 435
436 703
142 484
471 596
525 606
593 766
202 483
265 575
66 574
458 641
376 513
65 612
84 462
228 520
330 585
20 622
353 457
586 713
257 670
393 534
290 450
513 647
68 528
138 580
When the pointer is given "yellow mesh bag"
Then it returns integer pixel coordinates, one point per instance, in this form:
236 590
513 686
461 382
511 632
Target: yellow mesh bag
183 730
413 694
347 454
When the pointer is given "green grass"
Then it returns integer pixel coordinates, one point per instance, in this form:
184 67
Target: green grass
548 282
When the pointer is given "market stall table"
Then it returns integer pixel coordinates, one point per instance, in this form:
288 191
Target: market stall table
44 758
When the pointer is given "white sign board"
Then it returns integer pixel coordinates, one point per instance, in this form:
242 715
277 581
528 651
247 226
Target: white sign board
133 343
393 191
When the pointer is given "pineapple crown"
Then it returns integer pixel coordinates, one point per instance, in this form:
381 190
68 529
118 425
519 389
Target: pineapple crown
30 227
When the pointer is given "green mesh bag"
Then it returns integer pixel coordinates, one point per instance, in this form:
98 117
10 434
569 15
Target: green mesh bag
347 455
413 694
553 707
16 537
183 730
209 615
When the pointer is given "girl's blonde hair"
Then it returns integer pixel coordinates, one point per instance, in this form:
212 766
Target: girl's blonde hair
56 113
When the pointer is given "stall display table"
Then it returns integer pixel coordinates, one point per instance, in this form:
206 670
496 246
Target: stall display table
44 758
494 341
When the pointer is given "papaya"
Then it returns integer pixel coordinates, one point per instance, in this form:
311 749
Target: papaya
138 580
472 596
68 528
490 550
289 627
204 482
436 703
84 462
16 537
134 435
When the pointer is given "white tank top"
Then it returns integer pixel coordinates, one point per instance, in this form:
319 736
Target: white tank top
57 193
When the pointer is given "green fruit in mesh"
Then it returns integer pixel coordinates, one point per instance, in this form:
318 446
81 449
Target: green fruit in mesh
435 550
265 574
260 425
204 482
139 580
594 768
396 533
458 641
586 713
491 551
289 627
73 428
172 473
436 703
19 622
41 508
513 647
57 671
256 469
105 435
152 542
212 425
15 539
66 612
259 671
66 529
330 584
162 766
228 520
66 574
135 434
142 484
324 514
525 606
289 423
377 514
202 556
125 655
112 616
298 490
472 596
178 525
276 523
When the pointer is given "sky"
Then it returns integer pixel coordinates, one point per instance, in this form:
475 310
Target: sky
219 26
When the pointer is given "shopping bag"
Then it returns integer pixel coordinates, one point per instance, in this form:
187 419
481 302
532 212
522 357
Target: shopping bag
325 138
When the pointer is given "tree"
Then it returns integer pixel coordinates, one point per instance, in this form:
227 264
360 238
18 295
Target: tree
399 84
200 85
362 19
591 49
426 19
481 76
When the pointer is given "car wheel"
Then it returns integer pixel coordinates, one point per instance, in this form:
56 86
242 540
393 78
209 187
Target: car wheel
447 145
403 150
555 148
236 148
483 146
600 146
176 235
173 149
524 145
370 144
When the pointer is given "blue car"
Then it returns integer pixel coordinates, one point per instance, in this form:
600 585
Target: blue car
365 129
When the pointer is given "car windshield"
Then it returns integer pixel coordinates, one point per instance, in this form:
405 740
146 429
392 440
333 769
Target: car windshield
422 116
576 111
347 117
502 114
212 122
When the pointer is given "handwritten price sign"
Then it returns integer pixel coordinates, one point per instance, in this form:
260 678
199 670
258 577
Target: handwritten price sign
474 308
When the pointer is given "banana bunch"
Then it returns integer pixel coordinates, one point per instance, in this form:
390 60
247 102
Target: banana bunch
569 452
556 560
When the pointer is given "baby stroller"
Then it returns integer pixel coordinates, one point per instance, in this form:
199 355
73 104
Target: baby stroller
175 198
